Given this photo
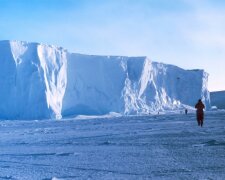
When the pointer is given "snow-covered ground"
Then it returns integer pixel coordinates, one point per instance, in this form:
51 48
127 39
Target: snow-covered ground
132 147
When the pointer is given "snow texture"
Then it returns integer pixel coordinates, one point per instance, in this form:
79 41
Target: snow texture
164 147
218 99
41 81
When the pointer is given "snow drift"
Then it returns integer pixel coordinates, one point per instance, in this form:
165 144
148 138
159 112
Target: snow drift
40 81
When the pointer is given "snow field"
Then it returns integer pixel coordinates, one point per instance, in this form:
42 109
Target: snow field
128 147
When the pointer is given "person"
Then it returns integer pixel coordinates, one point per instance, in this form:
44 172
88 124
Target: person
200 113
186 111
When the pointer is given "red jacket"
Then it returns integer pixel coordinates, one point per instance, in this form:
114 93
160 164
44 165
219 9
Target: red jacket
200 106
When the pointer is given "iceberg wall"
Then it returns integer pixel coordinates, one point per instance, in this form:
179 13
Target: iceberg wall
32 80
40 81
218 99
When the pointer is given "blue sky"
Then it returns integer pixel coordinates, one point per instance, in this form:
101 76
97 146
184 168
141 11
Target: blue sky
187 33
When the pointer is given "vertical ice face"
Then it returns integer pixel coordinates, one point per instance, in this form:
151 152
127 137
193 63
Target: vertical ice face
177 86
138 72
53 62
39 81
218 99
22 89
94 85
129 85
205 96
7 81
32 80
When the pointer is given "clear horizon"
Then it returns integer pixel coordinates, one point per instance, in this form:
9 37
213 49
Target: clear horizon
184 33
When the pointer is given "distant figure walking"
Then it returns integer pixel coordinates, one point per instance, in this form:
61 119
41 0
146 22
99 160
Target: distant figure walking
186 111
200 113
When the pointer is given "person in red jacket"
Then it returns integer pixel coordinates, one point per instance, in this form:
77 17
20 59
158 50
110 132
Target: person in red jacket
200 113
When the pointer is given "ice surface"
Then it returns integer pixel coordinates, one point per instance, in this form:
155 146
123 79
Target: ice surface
131 147
218 99
41 81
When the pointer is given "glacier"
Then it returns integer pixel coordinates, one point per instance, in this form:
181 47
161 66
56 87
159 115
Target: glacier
39 81
217 98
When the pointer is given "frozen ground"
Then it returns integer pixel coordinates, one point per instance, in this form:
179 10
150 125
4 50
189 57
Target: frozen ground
137 147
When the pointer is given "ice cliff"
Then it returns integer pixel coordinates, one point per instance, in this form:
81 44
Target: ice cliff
218 99
40 81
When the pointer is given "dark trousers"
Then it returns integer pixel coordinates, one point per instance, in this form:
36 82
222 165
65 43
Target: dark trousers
200 118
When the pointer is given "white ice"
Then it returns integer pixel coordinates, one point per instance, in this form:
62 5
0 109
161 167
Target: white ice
217 99
40 81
